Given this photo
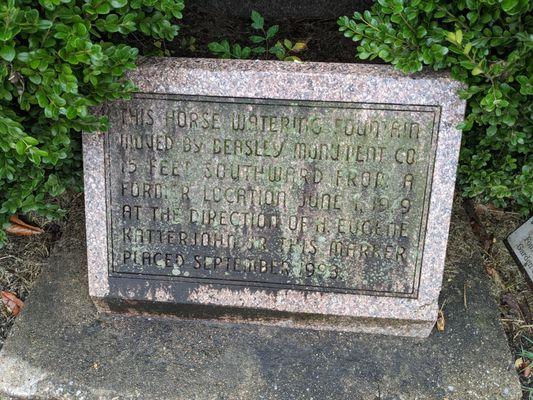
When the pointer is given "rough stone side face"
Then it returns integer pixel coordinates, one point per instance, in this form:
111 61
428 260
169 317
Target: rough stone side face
94 162
127 279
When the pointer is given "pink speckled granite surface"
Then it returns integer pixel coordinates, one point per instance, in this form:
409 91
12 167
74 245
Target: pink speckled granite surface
358 83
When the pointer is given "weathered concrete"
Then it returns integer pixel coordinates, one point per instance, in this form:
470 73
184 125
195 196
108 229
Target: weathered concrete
60 348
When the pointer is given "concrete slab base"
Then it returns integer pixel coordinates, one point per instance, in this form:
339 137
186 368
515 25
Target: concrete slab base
61 348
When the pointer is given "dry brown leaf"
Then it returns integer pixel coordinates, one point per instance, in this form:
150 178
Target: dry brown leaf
18 230
510 301
441 322
487 208
12 302
495 275
16 220
21 228
485 238
523 366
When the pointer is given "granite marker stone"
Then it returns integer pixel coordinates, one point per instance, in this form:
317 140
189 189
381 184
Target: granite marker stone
306 195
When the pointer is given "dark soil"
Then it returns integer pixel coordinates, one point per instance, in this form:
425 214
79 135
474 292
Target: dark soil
22 258
324 41
516 297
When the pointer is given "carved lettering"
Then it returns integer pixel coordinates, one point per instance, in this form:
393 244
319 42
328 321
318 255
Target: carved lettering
314 195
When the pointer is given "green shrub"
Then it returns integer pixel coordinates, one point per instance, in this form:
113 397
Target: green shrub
486 44
284 50
57 60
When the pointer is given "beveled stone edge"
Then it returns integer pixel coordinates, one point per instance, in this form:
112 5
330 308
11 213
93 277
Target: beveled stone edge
146 66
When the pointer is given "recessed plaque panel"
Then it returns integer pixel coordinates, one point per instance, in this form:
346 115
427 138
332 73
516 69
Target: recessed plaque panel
307 195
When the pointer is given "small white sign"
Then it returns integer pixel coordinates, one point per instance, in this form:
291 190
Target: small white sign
520 243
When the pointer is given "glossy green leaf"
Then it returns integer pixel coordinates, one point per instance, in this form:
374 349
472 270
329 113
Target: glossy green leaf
7 52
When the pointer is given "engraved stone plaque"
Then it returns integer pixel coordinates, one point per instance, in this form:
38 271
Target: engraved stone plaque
314 195
266 192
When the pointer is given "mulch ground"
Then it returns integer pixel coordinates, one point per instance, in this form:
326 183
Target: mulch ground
200 27
22 258
516 297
